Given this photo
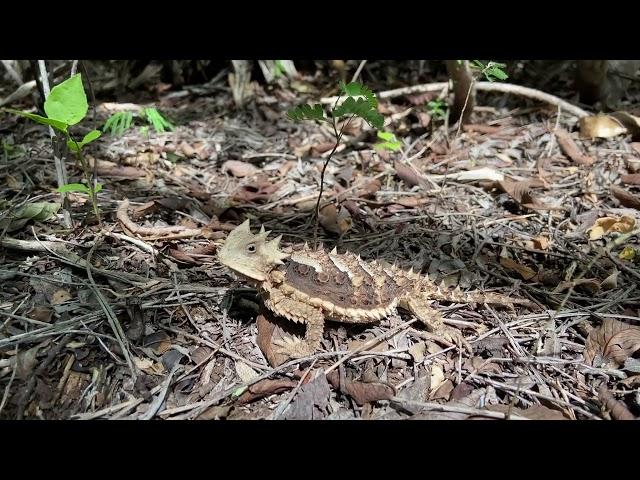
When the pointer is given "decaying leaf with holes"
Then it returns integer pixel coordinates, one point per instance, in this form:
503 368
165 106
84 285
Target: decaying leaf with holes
309 286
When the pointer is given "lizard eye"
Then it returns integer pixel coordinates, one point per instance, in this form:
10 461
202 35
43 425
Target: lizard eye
251 248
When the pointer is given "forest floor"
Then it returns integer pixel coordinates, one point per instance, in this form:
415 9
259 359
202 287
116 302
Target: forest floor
137 319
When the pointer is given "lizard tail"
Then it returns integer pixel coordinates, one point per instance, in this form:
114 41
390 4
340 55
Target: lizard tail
458 296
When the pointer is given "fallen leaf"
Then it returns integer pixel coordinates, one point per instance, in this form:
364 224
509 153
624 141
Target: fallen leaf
521 192
334 220
606 225
159 342
601 126
631 179
481 365
444 391
614 339
417 351
610 282
200 354
148 366
525 272
537 412
411 202
245 372
370 188
626 198
407 174
216 412
462 390
355 344
239 169
361 392
627 253
590 284
268 332
312 400
541 242
26 361
266 387
260 190
41 313
619 410
437 377
571 150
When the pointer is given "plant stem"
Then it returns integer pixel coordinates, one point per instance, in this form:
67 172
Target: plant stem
324 168
87 176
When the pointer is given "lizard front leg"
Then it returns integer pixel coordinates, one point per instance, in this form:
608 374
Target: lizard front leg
432 319
297 311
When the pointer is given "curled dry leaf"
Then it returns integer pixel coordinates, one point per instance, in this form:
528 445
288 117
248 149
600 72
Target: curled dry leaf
264 388
334 220
407 174
239 169
610 282
521 192
606 225
262 189
312 400
590 284
361 392
541 242
571 149
626 198
614 339
268 332
245 372
601 126
525 272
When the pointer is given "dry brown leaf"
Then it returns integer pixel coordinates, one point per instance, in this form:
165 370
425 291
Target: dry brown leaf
541 242
631 179
462 390
481 365
245 372
626 198
41 313
571 150
239 169
437 377
521 192
268 332
361 392
264 388
260 190
334 220
417 351
590 284
605 225
601 126
355 344
525 272
619 410
184 257
614 339
148 366
312 400
407 174
411 202
444 391
370 188
537 412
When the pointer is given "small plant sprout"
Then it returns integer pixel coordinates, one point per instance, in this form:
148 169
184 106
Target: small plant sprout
389 142
360 102
66 106
437 109
491 70
119 122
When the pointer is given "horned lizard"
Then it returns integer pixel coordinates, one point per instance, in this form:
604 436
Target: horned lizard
310 286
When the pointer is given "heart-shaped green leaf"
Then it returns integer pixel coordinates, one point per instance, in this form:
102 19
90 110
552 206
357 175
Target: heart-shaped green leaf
67 101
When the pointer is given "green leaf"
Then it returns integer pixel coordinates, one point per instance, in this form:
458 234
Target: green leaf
74 146
42 120
74 187
98 188
498 73
307 112
390 143
355 89
67 101
361 108
91 136
118 123
160 124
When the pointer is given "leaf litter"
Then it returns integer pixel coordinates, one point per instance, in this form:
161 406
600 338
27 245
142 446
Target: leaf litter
496 207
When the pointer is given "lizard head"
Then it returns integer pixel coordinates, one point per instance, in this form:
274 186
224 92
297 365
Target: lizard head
251 255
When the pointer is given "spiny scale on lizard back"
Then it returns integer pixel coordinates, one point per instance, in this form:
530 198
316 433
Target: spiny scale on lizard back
344 279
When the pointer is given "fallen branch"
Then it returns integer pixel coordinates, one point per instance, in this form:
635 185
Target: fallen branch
485 87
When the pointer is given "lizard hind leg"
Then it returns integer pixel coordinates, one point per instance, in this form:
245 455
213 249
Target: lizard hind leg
312 317
432 319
